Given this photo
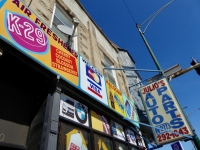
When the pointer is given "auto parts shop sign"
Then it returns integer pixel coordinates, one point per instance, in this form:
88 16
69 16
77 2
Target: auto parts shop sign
164 112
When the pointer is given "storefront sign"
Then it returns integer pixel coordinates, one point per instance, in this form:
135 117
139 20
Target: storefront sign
92 81
100 122
131 112
74 111
118 131
164 112
75 140
131 137
115 99
25 31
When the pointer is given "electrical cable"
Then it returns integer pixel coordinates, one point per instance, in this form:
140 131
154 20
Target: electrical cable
29 3
129 12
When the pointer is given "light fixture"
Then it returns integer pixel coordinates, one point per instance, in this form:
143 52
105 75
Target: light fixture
1 52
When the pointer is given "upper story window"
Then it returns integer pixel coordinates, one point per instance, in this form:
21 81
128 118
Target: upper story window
62 18
111 74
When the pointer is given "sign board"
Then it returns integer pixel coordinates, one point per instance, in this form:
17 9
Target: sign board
92 81
115 99
131 112
118 131
100 122
22 29
131 137
164 112
73 110
177 146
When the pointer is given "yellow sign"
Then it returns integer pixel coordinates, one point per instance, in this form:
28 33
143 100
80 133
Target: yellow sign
75 141
164 112
25 31
115 99
100 122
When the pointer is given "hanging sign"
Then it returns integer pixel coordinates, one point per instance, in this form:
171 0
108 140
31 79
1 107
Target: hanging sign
31 36
115 99
75 111
164 112
92 81
131 112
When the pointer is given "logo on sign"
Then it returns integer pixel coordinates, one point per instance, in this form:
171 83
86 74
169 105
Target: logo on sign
81 113
94 81
26 33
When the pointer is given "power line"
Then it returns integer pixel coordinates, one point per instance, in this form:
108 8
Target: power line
129 11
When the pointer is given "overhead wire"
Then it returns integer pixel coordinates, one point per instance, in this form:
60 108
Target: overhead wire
129 11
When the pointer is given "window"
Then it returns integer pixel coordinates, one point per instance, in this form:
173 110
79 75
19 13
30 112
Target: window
102 143
72 137
61 18
111 74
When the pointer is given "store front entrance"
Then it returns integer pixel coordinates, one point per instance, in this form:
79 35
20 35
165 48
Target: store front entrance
23 90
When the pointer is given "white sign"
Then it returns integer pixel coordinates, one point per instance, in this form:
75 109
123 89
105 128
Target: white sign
131 137
164 112
74 111
118 131
92 81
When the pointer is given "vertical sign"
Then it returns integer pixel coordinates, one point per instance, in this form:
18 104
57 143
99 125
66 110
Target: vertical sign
92 81
22 29
164 112
115 98
131 112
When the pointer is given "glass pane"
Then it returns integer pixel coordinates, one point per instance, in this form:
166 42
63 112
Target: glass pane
72 138
120 146
112 80
102 143
133 148
118 131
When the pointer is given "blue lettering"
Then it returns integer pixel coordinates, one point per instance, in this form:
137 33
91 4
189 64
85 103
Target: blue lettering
153 103
162 89
157 119
154 110
165 97
176 123
168 105
172 113
96 89
148 95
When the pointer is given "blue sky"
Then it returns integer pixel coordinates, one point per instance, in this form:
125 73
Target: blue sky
174 36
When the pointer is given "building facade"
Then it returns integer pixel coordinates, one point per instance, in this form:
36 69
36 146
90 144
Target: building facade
135 83
55 92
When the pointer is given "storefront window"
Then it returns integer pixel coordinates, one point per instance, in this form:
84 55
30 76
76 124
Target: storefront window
102 143
118 131
72 138
120 146
100 122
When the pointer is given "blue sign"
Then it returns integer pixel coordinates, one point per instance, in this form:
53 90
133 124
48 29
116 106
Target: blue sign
177 146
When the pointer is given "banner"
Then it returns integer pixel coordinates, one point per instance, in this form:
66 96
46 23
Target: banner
31 36
131 112
92 81
74 111
115 99
164 112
